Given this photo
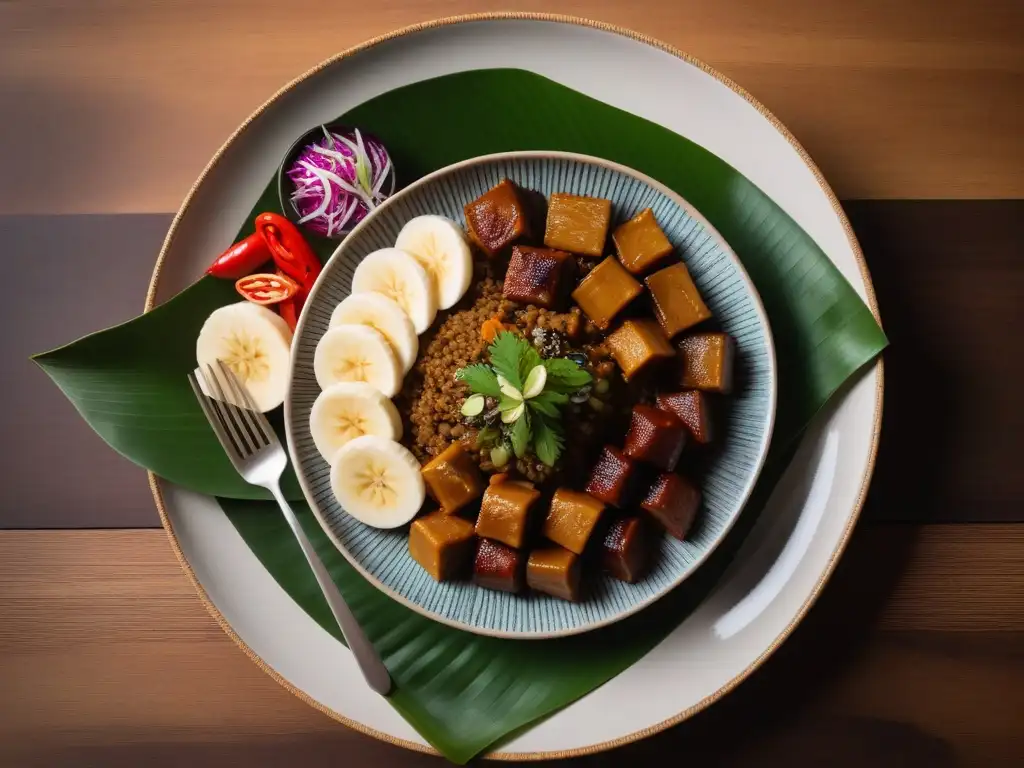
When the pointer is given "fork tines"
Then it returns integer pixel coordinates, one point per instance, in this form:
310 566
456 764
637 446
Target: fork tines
230 409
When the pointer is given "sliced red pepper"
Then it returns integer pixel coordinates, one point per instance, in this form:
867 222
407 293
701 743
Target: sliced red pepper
289 313
242 258
289 249
266 289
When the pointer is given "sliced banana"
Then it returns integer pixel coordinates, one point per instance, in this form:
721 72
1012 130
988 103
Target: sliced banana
255 343
383 314
351 409
400 277
377 481
357 353
439 244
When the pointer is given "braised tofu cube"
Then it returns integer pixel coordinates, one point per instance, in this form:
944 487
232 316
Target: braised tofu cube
571 519
505 512
442 544
677 302
498 218
655 436
637 344
605 291
612 476
707 362
540 276
499 567
554 571
673 501
577 224
453 479
691 408
626 554
641 244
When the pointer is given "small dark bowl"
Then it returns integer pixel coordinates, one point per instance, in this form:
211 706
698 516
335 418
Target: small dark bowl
284 184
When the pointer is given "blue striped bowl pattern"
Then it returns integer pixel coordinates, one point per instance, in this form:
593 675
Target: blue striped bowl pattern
383 557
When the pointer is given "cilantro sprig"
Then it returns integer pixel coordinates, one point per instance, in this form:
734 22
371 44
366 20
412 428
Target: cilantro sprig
528 395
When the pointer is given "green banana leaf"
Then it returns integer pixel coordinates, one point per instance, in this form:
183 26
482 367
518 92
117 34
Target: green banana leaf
465 693
129 382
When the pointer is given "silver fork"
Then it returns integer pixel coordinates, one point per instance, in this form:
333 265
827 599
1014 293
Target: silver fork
256 453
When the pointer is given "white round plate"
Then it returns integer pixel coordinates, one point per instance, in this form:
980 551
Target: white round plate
797 540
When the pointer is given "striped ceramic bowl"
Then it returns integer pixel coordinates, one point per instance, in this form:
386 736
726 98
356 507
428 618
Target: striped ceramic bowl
743 435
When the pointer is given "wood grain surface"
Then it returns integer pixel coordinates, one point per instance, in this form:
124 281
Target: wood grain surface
914 655
129 100
949 276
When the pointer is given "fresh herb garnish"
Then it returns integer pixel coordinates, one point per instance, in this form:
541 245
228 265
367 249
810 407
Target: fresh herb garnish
480 378
520 434
530 393
565 375
507 352
548 439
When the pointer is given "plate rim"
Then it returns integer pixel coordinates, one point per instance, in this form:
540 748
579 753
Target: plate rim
762 451
878 367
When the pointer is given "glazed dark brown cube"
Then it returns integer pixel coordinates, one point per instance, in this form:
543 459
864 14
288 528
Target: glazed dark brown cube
638 344
540 276
577 224
453 479
499 567
612 476
505 512
707 362
693 409
673 501
655 436
627 549
498 218
554 571
571 518
442 544
677 302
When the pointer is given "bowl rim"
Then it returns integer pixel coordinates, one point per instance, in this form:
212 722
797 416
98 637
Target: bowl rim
744 496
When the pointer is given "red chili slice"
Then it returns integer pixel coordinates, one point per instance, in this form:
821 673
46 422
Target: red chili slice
241 258
288 313
289 248
264 288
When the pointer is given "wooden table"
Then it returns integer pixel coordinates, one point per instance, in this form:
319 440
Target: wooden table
915 653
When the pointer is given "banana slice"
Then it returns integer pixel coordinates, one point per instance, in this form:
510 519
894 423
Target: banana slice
377 481
400 277
439 244
255 343
348 410
383 314
357 353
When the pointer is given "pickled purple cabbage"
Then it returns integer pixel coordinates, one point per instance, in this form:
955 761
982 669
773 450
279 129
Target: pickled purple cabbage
339 179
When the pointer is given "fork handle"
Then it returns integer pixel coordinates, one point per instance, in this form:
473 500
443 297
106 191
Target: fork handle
367 658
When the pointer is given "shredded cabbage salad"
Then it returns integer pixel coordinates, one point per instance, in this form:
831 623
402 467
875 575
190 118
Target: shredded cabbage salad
338 180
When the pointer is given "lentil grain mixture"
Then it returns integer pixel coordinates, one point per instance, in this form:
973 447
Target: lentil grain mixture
432 397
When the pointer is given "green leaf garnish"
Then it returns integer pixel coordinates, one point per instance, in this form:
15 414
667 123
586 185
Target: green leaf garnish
548 440
533 383
531 393
529 358
508 403
549 403
473 406
520 434
564 375
480 378
507 351
487 436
